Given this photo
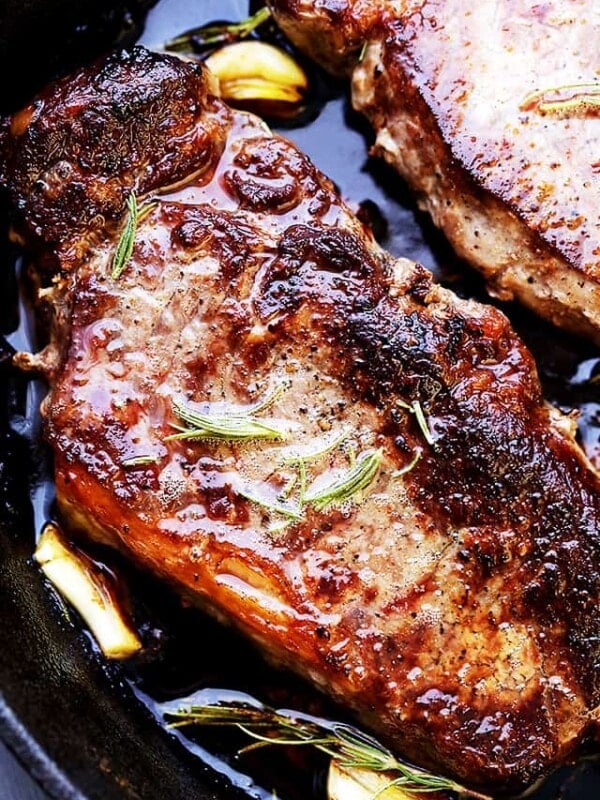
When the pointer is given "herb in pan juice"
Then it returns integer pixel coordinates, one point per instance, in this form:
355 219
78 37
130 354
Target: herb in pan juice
285 509
346 745
417 409
398 473
305 455
217 33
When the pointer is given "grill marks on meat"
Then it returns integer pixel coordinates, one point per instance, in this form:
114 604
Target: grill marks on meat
454 609
444 85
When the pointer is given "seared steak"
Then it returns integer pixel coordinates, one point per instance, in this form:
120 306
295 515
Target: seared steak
509 175
259 347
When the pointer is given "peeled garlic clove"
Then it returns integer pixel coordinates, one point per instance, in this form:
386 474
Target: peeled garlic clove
258 89
348 783
256 60
80 582
256 71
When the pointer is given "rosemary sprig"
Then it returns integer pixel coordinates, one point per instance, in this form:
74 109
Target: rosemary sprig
124 247
345 744
355 480
569 100
302 457
267 400
234 426
196 40
299 458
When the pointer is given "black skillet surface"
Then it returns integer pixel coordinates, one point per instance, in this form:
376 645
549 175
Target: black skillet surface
85 728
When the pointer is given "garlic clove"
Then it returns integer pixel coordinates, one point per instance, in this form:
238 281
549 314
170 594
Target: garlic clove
258 89
256 60
79 581
256 72
349 783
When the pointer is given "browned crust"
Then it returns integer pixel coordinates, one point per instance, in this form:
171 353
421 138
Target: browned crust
347 22
514 193
65 183
485 229
455 610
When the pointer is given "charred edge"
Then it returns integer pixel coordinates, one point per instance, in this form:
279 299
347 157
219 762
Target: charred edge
71 164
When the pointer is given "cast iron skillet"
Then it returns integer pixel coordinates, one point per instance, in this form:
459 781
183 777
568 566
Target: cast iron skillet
74 720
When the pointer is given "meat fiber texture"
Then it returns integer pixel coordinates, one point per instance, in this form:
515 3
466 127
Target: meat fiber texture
457 92
453 602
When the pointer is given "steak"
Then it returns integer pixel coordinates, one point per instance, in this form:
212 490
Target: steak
490 112
301 433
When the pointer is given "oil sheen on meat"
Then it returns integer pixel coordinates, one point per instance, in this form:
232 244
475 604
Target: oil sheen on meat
452 606
457 92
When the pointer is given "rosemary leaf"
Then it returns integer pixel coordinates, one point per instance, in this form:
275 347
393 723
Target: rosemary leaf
287 489
569 100
285 509
302 479
229 427
124 247
346 745
416 409
146 209
267 401
351 453
408 467
275 528
355 480
358 749
422 422
139 461
206 36
311 454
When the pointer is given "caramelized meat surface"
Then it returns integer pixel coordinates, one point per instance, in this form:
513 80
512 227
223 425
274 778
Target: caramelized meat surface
449 596
462 98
